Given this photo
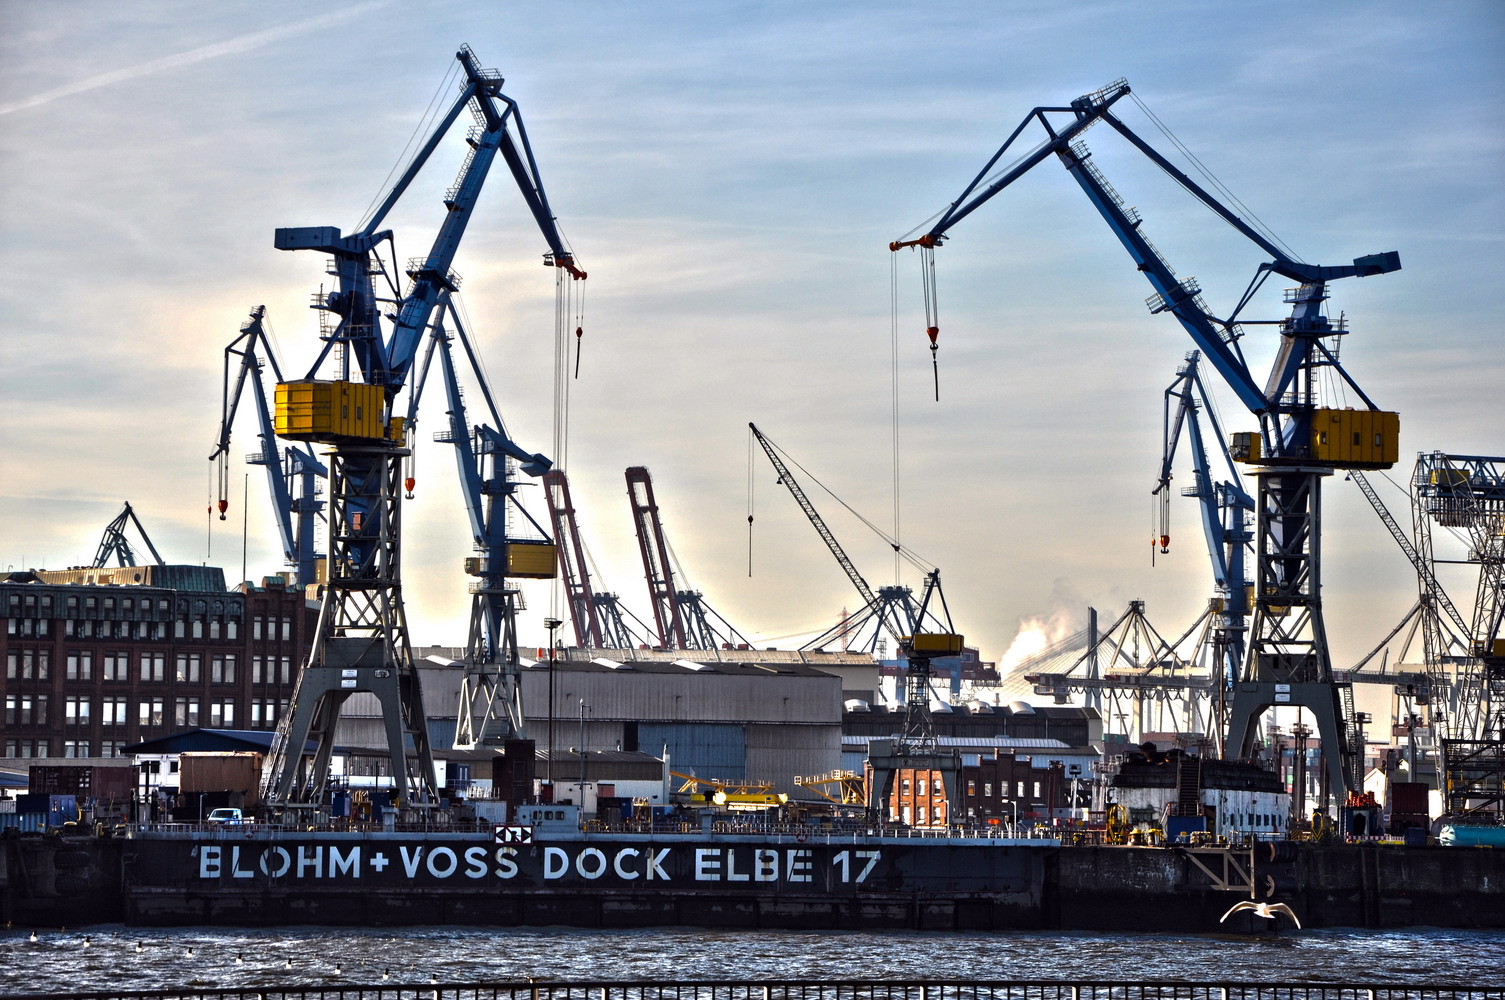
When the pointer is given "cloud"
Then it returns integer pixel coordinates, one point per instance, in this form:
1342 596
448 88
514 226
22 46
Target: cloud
234 46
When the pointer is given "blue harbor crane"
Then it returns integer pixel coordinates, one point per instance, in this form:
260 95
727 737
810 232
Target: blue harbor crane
371 343
1300 440
509 542
293 475
1227 515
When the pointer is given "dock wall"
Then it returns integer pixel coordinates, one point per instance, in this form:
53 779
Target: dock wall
72 881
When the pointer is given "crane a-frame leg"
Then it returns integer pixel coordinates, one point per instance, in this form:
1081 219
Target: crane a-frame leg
362 640
1289 664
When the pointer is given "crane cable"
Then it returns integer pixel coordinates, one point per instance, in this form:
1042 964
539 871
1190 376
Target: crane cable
893 336
403 159
749 500
1243 210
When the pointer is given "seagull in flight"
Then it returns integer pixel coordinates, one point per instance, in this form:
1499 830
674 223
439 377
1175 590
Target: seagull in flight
1269 911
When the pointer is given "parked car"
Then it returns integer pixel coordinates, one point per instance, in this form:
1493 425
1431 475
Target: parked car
226 817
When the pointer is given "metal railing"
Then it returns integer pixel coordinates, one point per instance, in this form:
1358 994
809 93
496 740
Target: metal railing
811 990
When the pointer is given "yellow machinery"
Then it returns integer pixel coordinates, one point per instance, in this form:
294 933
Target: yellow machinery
313 410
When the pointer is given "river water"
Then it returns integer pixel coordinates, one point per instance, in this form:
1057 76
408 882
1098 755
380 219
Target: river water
115 957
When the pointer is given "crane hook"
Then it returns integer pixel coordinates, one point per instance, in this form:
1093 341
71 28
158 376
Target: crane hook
579 336
224 505
933 332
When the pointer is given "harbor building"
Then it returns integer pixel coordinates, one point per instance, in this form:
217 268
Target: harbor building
98 658
733 715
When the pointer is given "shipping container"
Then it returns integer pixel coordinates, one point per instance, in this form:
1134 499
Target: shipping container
87 782
237 772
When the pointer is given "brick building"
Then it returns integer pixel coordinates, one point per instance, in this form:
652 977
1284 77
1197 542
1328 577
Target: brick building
99 658
994 787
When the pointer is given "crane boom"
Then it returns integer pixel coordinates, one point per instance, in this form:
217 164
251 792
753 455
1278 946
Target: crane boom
1423 570
577 581
292 475
793 485
655 552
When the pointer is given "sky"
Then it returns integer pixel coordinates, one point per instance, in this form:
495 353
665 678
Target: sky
730 175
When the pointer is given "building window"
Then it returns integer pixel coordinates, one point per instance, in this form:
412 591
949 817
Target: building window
222 713
920 790
1021 789
112 710
256 627
987 789
76 710
80 665
27 664
1037 791
26 748
287 670
198 628
186 712
75 748
232 629
256 669
26 710
222 668
153 712
287 629
115 665
214 628
153 667
189 665
263 714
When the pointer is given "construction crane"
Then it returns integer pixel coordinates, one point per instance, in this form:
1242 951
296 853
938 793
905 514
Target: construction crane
682 617
1300 441
1227 513
597 617
362 642
114 543
922 635
293 475
892 609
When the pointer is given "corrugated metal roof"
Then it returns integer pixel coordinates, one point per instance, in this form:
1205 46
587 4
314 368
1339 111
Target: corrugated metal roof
201 740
